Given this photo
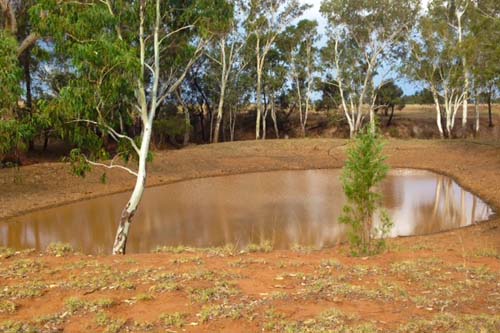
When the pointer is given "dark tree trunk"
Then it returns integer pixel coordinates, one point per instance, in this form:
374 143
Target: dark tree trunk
390 116
202 126
45 140
25 59
223 125
490 116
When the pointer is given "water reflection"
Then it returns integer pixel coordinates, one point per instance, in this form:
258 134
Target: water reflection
286 207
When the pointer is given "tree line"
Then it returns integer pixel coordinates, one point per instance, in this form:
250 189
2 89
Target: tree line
106 76
64 60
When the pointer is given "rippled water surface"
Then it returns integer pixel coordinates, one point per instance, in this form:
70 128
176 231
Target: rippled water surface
285 207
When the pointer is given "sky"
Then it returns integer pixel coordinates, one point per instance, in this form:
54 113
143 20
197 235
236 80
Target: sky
314 14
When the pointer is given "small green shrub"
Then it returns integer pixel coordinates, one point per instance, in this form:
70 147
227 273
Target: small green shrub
365 168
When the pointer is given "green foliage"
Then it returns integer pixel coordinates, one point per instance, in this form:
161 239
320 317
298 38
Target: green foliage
365 168
15 134
78 162
10 72
172 126
423 96
126 150
367 31
390 95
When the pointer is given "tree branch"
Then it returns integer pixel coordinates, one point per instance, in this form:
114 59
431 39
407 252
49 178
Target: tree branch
28 42
110 166
9 14
114 134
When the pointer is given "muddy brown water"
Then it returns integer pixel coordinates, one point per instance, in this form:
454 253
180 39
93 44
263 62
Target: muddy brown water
284 207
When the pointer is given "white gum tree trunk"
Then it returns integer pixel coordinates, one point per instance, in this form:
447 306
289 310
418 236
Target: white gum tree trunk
273 116
459 12
147 112
438 113
120 244
226 62
260 64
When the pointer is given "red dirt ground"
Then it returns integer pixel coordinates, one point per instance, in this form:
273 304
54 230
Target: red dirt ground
447 282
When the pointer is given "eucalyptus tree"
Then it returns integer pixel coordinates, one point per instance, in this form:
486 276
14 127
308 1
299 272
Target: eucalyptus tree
389 96
11 73
129 58
362 37
17 39
459 10
298 44
483 51
265 20
436 60
16 24
15 21
238 96
274 80
227 55
330 95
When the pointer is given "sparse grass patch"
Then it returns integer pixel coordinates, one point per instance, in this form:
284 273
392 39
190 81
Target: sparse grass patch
279 295
54 319
479 273
25 290
104 303
75 304
7 307
59 249
419 270
265 246
330 288
360 271
23 267
487 252
144 297
166 286
175 319
10 326
232 311
393 288
174 249
246 262
331 263
221 251
6 252
454 324
302 248
332 321
143 326
220 291
109 324
420 247
193 260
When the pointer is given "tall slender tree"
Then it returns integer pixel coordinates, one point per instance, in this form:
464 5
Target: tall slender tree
106 51
227 55
363 35
298 44
265 20
436 60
